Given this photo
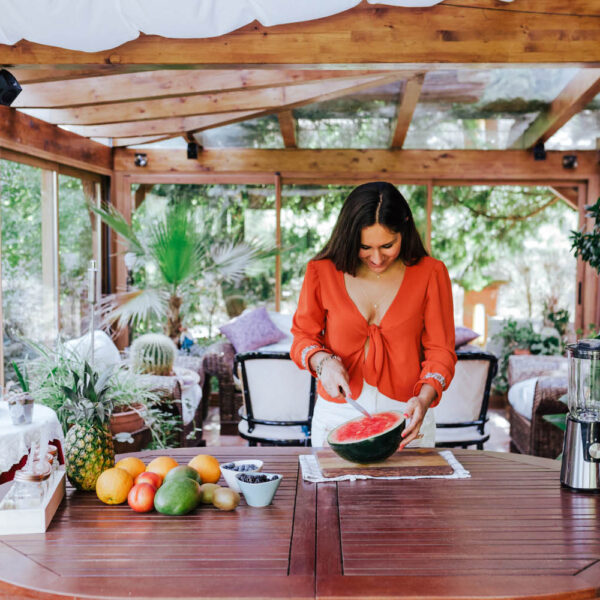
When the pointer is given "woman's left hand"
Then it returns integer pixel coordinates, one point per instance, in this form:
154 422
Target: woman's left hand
416 408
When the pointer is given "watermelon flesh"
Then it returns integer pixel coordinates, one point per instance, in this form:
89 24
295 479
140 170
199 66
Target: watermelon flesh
356 430
365 440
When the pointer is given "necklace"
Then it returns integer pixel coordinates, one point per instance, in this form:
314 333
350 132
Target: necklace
379 302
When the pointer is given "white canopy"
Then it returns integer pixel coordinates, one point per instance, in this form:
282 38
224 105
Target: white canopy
92 25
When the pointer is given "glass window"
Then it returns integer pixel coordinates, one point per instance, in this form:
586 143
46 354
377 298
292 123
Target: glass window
75 251
28 266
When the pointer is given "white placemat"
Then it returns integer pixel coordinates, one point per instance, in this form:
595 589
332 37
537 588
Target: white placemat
312 473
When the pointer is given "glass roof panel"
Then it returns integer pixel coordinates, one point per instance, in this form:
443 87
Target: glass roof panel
481 109
361 120
176 142
263 132
582 132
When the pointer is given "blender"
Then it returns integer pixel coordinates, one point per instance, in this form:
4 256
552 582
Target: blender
581 451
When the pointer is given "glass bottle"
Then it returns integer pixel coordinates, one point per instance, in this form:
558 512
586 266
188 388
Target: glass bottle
30 487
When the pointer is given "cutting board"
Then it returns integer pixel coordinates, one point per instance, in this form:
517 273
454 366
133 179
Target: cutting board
408 463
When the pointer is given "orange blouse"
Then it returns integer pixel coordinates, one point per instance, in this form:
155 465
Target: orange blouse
414 343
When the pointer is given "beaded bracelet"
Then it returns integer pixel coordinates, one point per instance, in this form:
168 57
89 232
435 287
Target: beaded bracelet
319 367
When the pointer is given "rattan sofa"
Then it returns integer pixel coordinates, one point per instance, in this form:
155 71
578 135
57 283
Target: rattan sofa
535 435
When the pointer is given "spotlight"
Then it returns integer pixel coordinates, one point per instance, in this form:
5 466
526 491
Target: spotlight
192 150
569 161
9 88
141 159
539 152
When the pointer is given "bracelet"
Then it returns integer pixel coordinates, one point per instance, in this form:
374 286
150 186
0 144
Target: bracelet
319 367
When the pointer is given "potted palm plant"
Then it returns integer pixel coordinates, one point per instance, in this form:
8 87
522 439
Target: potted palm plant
184 254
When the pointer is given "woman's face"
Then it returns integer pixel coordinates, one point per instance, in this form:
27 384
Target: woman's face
379 247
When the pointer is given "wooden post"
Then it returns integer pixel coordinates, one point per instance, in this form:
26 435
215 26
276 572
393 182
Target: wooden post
121 199
429 211
278 242
50 273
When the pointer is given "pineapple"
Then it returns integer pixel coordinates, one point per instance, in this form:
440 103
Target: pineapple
89 446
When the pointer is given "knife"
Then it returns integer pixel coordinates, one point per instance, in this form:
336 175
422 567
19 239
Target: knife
357 406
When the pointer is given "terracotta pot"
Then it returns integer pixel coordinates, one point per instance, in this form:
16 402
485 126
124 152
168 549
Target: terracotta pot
521 351
129 420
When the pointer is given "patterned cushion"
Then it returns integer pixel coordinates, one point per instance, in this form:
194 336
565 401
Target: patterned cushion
251 330
463 336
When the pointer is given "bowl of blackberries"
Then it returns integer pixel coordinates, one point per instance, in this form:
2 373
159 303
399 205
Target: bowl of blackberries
231 469
258 488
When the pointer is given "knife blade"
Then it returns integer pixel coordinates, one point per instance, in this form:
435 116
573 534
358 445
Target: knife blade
358 407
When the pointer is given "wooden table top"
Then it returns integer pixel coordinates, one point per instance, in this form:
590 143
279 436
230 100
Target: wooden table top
508 531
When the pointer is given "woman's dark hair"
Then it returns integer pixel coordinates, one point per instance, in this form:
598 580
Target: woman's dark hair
368 204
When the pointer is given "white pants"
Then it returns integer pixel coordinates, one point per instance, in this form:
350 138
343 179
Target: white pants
328 415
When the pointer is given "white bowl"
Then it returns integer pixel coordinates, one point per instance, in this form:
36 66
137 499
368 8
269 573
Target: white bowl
229 474
260 493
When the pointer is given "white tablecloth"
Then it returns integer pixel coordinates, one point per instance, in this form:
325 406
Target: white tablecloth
191 392
16 440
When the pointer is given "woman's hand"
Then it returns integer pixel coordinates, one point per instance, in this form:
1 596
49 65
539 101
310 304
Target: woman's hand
416 408
334 377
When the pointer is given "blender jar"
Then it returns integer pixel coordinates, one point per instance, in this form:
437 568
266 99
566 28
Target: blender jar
584 380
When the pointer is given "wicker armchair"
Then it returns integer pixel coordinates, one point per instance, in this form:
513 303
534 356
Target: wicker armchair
536 436
217 362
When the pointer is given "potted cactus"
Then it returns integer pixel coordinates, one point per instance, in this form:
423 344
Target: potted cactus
153 354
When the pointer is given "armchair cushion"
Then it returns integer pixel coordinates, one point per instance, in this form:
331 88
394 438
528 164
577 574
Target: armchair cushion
463 335
252 330
521 395
106 354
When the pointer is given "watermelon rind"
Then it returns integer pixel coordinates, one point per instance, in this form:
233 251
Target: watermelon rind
372 449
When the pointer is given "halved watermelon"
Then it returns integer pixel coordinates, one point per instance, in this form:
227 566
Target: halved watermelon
364 440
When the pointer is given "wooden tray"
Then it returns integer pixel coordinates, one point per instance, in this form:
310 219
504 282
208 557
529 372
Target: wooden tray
407 463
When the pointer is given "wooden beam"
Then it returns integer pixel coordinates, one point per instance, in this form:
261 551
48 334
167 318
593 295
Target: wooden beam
566 194
576 95
263 99
471 31
167 83
140 194
360 165
287 124
406 109
176 125
22 133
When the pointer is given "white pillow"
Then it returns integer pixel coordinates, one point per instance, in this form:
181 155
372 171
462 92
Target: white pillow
521 396
106 354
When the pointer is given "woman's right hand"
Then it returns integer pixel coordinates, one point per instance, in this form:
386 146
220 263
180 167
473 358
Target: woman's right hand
334 377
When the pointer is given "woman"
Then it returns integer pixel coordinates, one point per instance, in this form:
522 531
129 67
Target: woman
375 318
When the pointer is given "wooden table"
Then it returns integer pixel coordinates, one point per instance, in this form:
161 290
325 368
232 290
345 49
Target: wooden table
508 531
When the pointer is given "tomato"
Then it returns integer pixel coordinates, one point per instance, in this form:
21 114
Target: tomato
141 497
148 477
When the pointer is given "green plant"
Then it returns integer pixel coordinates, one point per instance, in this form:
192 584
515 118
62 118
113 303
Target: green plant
51 371
587 245
89 446
183 252
521 337
21 376
153 353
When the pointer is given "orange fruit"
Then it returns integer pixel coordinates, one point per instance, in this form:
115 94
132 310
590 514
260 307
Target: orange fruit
207 466
113 485
131 464
162 465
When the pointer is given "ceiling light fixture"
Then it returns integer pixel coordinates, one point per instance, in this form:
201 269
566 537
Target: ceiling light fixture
141 159
192 150
539 152
9 88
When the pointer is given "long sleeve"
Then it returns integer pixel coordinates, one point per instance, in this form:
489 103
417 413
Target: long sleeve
437 367
309 320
